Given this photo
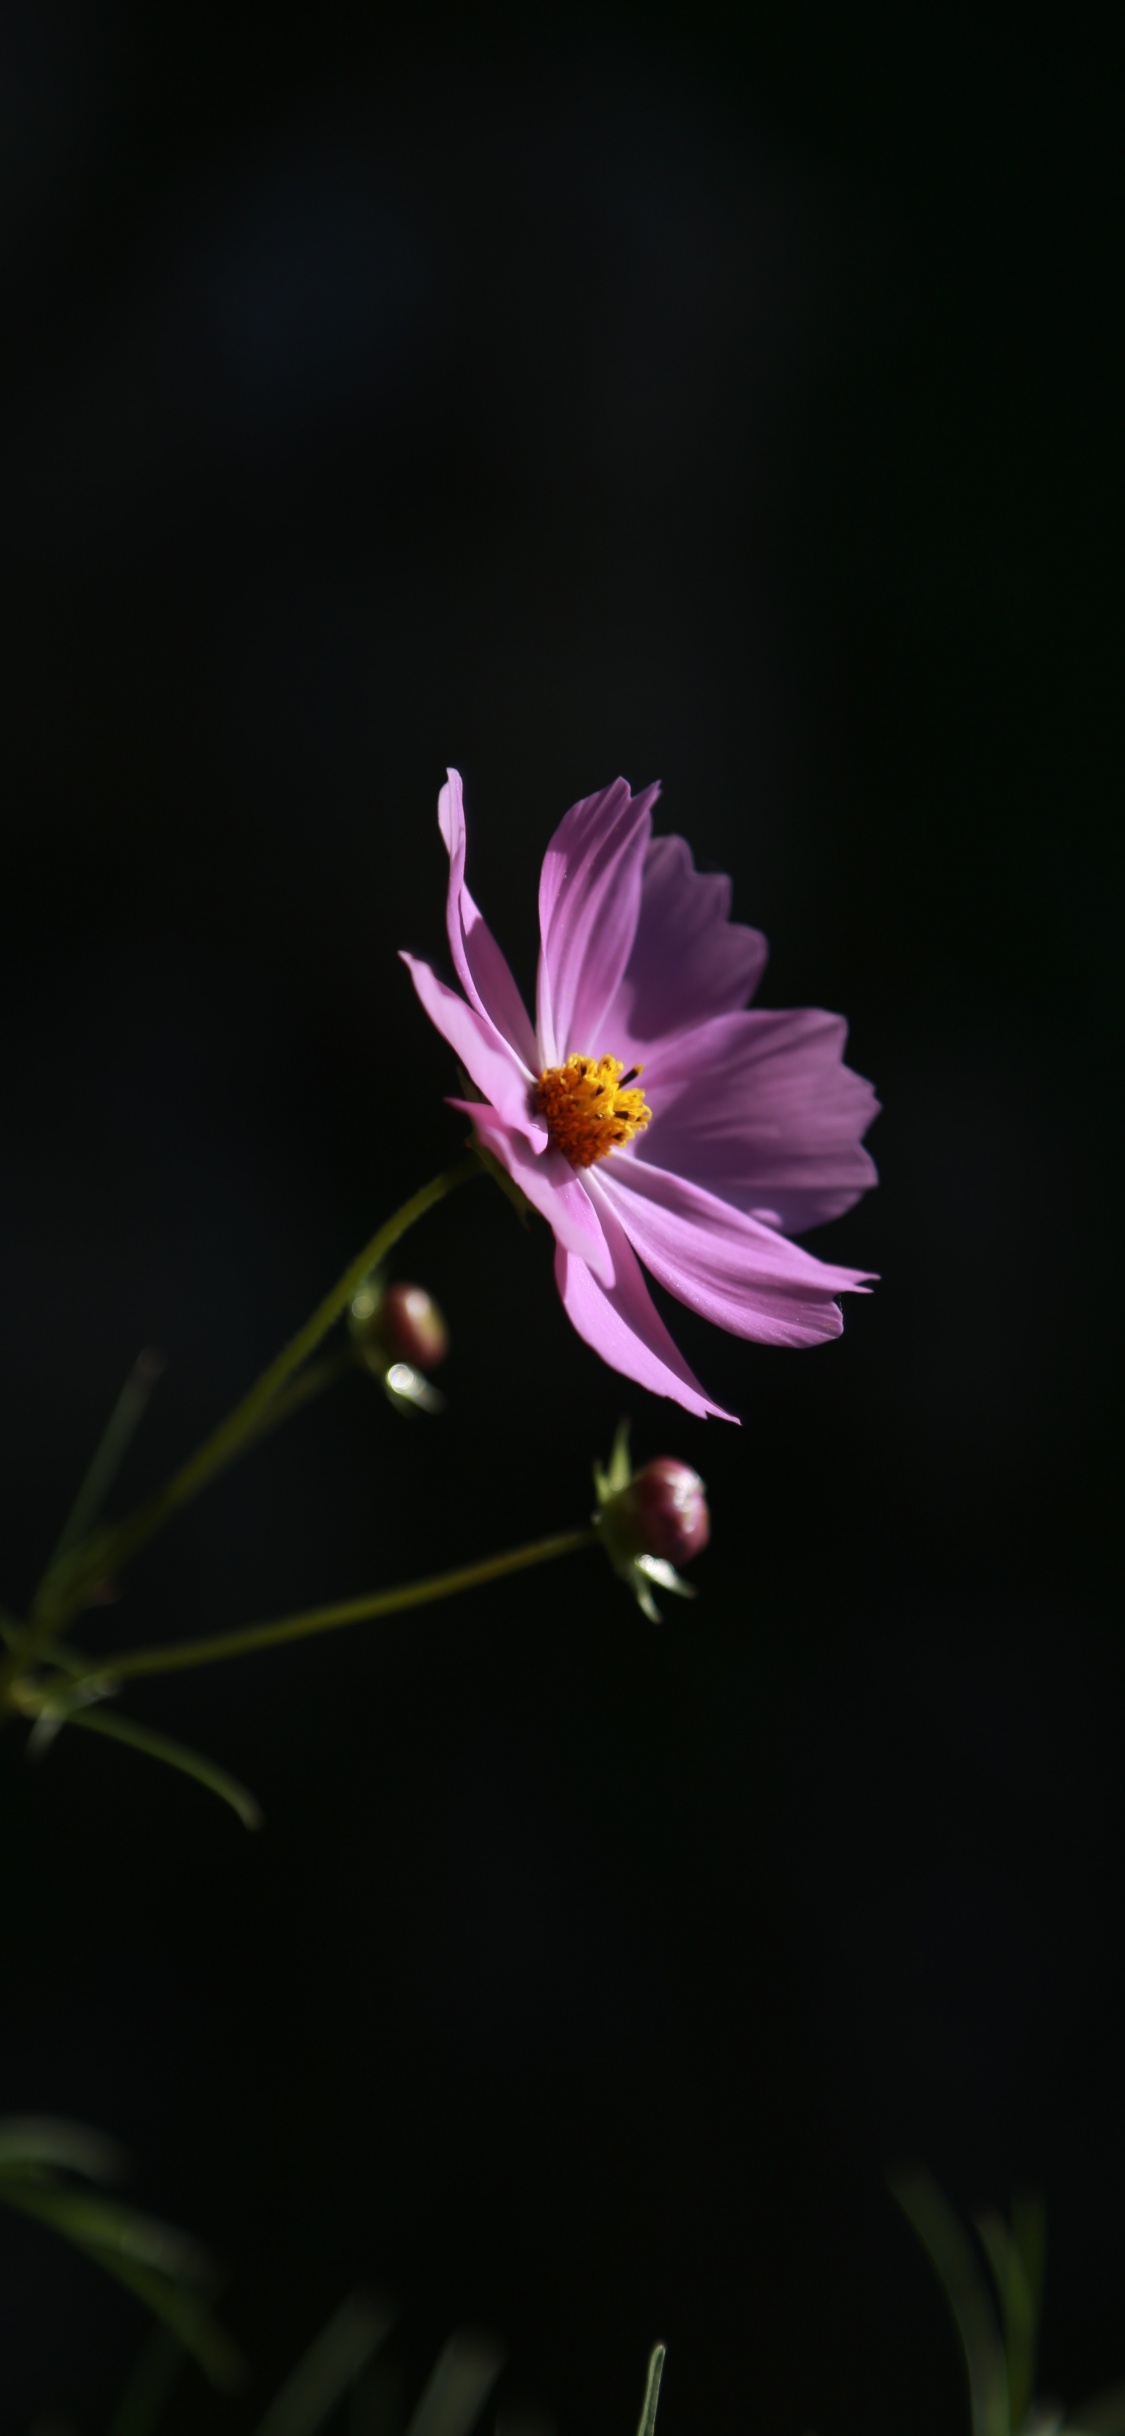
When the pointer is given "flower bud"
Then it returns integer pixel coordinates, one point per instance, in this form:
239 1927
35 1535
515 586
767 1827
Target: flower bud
399 1333
650 1520
412 1328
664 1511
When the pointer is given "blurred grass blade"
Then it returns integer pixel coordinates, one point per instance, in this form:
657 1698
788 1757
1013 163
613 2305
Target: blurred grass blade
953 2258
462 2378
203 1772
109 1454
148 2257
33 2143
647 2420
329 2367
187 2315
1019 2310
107 2224
377 2400
1029 2233
142 2403
1103 2415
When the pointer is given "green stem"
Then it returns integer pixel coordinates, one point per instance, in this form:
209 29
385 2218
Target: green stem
310 1382
110 1553
128 1664
40 1639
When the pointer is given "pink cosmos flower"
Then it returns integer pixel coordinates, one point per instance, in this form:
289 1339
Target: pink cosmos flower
648 1111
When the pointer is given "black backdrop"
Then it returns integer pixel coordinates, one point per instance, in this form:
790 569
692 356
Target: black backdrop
704 398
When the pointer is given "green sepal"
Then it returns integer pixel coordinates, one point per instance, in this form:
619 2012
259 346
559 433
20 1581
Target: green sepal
637 1572
618 1472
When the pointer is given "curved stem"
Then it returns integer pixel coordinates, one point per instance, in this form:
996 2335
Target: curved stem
309 1383
112 1551
128 1664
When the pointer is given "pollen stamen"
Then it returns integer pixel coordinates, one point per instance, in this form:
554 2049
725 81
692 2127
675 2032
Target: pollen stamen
589 1109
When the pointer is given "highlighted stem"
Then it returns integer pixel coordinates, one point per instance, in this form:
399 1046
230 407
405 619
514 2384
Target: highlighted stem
109 1553
124 1665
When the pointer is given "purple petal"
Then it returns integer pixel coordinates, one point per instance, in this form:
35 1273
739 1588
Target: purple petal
688 961
481 967
622 1323
760 1109
731 1268
486 1057
550 1184
589 895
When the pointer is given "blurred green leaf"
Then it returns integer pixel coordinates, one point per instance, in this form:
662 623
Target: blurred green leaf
107 2224
377 2407
1103 2415
150 2385
154 2261
186 2314
952 2256
30 2142
329 2368
647 2420
1019 2301
462 2378
1029 2232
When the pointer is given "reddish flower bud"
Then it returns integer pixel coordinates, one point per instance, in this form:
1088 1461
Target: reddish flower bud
650 1521
664 1510
412 1328
399 1334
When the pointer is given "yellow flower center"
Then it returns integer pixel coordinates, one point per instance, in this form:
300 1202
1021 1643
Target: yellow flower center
587 1109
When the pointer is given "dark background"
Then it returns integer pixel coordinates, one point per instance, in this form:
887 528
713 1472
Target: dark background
720 398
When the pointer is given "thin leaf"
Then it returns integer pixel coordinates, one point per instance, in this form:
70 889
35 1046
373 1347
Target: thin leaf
109 2225
150 2385
952 2257
187 2317
377 2404
174 1755
462 2378
37 2141
1018 2311
1103 2415
130 2261
647 2420
1029 2233
59 1708
108 1457
329 2368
